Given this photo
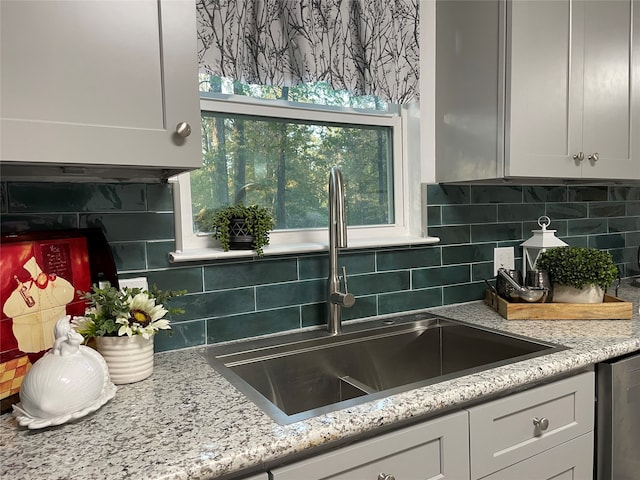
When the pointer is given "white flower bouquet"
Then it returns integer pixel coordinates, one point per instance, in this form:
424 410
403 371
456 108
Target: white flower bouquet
130 311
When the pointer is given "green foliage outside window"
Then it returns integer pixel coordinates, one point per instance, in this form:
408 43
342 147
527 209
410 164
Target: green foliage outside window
284 165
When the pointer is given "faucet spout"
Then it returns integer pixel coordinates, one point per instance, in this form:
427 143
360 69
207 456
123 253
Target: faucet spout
337 239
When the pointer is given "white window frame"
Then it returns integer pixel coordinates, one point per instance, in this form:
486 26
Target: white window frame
408 228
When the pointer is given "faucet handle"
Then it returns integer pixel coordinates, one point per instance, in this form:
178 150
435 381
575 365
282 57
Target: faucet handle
347 299
344 279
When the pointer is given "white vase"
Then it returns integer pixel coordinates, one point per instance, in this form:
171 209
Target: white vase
586 294
130 359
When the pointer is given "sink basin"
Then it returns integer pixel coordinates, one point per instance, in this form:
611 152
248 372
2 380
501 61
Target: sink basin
300 375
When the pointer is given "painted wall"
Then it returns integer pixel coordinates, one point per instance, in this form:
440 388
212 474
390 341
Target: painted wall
236 299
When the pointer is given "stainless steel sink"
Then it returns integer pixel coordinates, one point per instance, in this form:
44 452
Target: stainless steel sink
300 375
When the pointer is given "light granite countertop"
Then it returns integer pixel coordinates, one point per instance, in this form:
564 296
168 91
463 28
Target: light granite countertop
188 422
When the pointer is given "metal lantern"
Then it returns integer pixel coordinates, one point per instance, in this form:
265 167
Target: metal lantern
538 243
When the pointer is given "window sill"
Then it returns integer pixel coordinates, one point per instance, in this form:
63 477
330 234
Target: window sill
296 248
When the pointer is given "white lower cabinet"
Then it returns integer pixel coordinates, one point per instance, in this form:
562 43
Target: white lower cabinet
437 449
509 430
569 461
542 433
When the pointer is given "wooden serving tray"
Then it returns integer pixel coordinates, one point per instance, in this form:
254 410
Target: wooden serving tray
611 309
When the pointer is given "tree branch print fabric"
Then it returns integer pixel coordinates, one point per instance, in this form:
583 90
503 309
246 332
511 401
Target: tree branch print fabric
369 47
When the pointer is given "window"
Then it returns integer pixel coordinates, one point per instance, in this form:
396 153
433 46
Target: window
274 147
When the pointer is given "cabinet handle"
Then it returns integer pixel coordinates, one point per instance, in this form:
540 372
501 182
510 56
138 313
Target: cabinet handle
579 157
594 157
386 476
541 423
183 129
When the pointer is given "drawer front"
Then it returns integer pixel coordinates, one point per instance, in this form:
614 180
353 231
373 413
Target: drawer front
569 461
511 429
437 449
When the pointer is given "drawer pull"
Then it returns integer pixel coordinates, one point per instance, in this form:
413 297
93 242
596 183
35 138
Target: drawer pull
386 476
541 423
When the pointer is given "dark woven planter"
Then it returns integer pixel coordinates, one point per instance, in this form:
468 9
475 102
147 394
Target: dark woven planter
239 238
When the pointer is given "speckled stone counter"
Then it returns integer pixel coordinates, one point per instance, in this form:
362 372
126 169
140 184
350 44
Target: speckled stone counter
188 422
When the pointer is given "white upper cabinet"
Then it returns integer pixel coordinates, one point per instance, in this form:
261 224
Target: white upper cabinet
100 85
553 85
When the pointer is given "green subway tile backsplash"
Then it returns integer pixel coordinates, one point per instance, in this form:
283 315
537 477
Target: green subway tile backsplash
253 324
317 266
536 193
181 335
606 209
587 193
623 224
496 231
121 227
509 212
448 194
380 282
404 259
467 253
496 194
452 214
129 255
20 223
159 197
158 253
607 241
233 299
188 278
591 226
76 197
624 193
438 276
567 210
633 208
292 293
463 293
451 234
244 274
410 300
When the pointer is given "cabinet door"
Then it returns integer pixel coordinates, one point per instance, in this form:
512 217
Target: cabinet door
438 449
573 110
610 104
544 88
569 461
101 82
511 429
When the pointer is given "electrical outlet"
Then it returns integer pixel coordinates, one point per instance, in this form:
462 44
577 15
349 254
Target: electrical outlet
503 257
137 282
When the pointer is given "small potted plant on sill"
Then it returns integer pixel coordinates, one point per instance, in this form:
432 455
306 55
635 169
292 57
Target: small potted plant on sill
578 274
238 227
123 324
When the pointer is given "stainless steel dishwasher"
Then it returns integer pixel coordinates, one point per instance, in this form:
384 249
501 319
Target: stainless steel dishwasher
618 419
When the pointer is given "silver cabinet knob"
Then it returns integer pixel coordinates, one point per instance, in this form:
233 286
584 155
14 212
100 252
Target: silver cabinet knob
386 476
541 423
579 157
183 129
594 157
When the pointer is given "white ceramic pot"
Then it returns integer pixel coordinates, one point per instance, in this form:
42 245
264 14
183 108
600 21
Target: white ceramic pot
587 294
130 359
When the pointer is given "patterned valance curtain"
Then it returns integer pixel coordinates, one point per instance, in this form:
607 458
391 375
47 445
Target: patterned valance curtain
369 47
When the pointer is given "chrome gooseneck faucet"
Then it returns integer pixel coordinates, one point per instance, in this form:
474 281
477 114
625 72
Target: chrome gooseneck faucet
337 239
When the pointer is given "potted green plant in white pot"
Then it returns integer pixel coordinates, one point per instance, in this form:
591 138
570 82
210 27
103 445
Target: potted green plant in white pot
237 227
578 274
